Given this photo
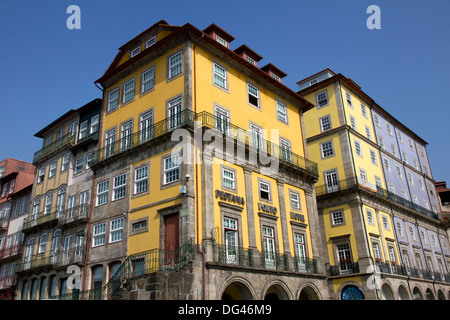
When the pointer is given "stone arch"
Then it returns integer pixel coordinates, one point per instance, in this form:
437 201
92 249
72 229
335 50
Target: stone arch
309 292
276 290
417 294
429 295
403 293
386 292
346 287
441 295
236 288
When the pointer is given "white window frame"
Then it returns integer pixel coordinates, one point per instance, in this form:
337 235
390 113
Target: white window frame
135 51
228 176
141 179
266 189
174 168
83 129
294 199
150 42
175 64
358 148
116 230
94 124
78 165
99 234
102 193
113 101
322 99
148 79
325 123
119 186
220 76
327 149
337 218
128 94
65 162
281 109
251 95
52 170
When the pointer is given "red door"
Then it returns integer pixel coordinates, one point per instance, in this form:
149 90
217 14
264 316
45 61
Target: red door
171 238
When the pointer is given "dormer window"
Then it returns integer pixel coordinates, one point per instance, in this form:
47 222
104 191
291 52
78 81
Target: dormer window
135 52
218 34
150 42
251 60
248 54
221 41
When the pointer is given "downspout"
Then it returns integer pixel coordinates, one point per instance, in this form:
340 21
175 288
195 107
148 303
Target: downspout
199 250
359 192
100 123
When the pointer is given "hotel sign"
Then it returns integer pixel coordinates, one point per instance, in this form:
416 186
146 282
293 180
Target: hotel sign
226 196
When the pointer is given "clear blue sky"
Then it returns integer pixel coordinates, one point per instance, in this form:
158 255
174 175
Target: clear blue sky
47 69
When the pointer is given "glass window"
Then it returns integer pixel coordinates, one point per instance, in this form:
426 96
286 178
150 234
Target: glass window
116 230
98 238
228 179
327 149
65 162
148 80
128 91
264 191
220 76
281 111
175 64
295 200
171 169
113 99
337 218
253 95
322 99
141 179
119 186
102 192
52 170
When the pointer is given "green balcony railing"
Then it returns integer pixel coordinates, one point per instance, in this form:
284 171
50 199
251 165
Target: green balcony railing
68 139
40 219
207 120
131 141
349 183
135 265
256 142
233 255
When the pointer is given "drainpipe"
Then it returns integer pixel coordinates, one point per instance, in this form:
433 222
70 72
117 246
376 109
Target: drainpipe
199 250
92 194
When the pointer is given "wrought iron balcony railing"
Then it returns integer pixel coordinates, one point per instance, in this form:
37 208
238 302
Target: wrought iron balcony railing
34 262
345 267
207 120
40 219
158 129
68 257
350 183
11 251
78 213
239 256
68 139
136 265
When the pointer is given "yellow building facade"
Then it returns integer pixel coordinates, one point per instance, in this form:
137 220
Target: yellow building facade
355 197
210 150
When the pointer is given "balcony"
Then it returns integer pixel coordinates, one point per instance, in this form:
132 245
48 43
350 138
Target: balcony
40 220
37 261
352 183
65 141
208 121
68 257
345 267
11 252
268 260
72 216
8 282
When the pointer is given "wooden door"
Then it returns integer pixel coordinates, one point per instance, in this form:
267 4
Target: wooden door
171 239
